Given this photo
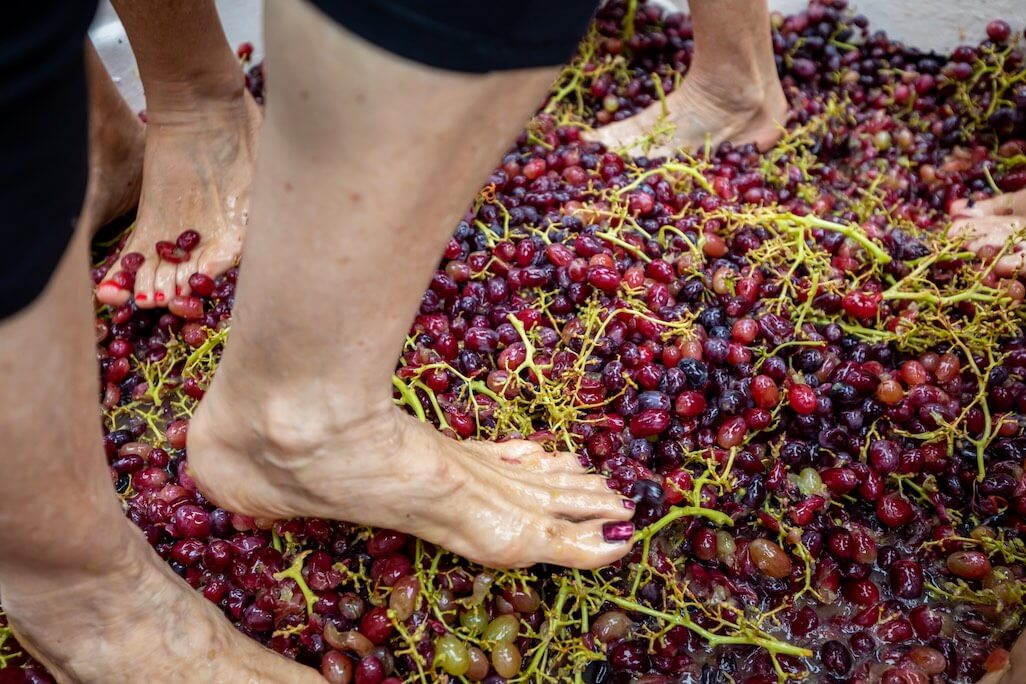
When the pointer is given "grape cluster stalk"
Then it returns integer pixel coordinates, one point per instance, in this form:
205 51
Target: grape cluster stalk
813 391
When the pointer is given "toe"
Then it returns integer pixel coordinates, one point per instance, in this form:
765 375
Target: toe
532 457
1011 265
109 293
579 545
185 271
144 283
588 482
999 205
963 208
963 227
564 461
164 283
215 260
988 231
586 505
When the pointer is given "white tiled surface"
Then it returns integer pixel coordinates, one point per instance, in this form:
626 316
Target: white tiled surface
926 24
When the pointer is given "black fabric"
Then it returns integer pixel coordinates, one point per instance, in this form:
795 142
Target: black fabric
475 36
44 141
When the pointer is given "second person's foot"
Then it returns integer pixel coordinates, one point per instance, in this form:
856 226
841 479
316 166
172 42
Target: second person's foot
704 108
197 172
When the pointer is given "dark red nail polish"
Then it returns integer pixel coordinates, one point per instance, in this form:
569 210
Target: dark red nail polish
617 531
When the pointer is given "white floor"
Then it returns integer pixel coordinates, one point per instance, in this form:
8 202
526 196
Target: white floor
929 25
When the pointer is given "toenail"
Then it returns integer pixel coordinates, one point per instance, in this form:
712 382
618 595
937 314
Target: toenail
617 531
178 290
141 297
629 505
159 296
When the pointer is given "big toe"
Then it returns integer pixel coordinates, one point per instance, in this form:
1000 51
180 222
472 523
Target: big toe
110 293
583 545
581 504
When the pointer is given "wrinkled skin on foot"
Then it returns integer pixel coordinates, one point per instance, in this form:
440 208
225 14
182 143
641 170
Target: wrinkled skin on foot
197 173
989 223
137 621
507 504
702 110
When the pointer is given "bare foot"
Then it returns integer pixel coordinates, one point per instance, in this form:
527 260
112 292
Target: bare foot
136 622
116 142
704 108
196 176
989 223
507 504
115 170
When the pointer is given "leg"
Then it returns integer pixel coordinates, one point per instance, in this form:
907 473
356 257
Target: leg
116 145
366 163
77 580
731 92
200 144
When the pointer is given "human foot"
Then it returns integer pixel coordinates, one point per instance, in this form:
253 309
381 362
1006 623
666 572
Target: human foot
1005 204
116 143
136 621
704 108
507 504
989 224
196 176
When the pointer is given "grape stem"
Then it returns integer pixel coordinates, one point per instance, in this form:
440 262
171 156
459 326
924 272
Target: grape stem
295 573
852 232
769 644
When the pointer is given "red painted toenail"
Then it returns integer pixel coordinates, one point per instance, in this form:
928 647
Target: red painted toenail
159 296
178 290
629 505
617 531
141 297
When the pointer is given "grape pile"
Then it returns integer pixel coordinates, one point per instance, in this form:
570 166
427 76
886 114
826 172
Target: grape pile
814 394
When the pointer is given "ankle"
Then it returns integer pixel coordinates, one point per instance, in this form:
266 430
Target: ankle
290 424
283 446
171 101
748 89
122 566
